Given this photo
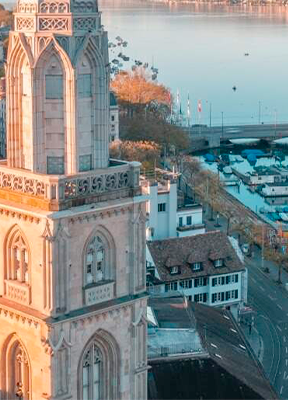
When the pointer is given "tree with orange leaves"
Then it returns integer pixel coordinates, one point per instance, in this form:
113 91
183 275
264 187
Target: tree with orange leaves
137 93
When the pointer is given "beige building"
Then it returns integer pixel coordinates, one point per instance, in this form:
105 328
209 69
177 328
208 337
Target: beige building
72 237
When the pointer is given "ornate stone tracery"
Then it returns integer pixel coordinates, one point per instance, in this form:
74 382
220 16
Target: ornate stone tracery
53 24
54 7
84 23
25 24
24 7
84 6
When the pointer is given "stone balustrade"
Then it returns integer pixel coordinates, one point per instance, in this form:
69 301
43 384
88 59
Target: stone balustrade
60 189
17 291
99 293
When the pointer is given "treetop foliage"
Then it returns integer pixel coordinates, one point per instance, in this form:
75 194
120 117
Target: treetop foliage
137 93
148 153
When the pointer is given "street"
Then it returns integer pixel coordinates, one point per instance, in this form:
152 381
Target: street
271 321
270 302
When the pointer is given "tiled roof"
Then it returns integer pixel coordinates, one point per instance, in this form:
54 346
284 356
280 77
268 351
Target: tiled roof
203 248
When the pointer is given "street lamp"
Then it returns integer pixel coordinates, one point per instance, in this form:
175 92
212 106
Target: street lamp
259 113
210 114
275 124
222 122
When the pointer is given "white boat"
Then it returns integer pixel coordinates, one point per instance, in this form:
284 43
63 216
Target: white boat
284 217
227 170
239 158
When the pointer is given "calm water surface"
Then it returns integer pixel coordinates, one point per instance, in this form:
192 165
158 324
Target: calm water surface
200 49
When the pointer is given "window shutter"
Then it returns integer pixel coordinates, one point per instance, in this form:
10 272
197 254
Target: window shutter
222 296
236 278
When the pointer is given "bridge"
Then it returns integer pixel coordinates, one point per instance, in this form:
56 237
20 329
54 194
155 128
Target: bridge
205 137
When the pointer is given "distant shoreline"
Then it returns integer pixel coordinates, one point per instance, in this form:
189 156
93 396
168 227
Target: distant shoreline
261 3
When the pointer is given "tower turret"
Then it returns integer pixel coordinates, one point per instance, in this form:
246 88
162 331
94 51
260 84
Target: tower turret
57 94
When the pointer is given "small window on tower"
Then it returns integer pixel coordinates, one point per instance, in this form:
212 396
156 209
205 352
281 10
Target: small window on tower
54 86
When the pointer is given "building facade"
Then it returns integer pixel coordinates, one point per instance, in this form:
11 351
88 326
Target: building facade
72 238
114 118
205 268
166 217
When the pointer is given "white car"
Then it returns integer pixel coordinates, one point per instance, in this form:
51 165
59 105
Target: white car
245 248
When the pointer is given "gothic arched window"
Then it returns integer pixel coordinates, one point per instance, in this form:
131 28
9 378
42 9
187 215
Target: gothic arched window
96 260
18 258
98 368
91 373
17 372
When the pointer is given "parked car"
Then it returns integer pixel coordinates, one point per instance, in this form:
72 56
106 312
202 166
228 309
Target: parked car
245 249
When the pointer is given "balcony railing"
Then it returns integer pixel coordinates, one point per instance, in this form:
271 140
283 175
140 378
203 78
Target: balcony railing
59 188
98 293
17 291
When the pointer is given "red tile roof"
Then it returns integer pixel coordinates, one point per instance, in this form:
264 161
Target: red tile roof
185 251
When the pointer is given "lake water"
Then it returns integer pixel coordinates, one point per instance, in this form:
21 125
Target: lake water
252 200
199 48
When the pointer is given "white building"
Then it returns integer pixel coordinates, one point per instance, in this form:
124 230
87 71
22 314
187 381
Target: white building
165 218
114 118
205 268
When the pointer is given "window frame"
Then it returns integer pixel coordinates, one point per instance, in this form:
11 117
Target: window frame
219 263
161 207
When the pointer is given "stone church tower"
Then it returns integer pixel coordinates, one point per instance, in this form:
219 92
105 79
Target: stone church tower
72 237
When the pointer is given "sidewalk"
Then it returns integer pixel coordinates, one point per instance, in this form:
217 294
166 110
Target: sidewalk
254 339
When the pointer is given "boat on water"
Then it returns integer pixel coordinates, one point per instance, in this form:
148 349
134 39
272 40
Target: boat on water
284 216
210 158
231 182
227 170
274 216
239 158
255 152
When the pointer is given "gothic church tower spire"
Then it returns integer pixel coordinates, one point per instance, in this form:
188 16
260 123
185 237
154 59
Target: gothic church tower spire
57 93
72 238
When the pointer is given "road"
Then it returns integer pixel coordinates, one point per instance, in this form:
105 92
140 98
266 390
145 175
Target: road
271 321
270 302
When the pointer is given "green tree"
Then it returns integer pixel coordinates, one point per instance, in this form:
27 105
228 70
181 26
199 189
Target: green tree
148 153
170 137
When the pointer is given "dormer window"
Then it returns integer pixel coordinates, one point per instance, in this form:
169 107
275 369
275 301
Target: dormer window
174 270
218 263
196 266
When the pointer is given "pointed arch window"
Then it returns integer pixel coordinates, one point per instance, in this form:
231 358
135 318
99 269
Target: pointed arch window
18 259
18 372
91 373
96 269
17 268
